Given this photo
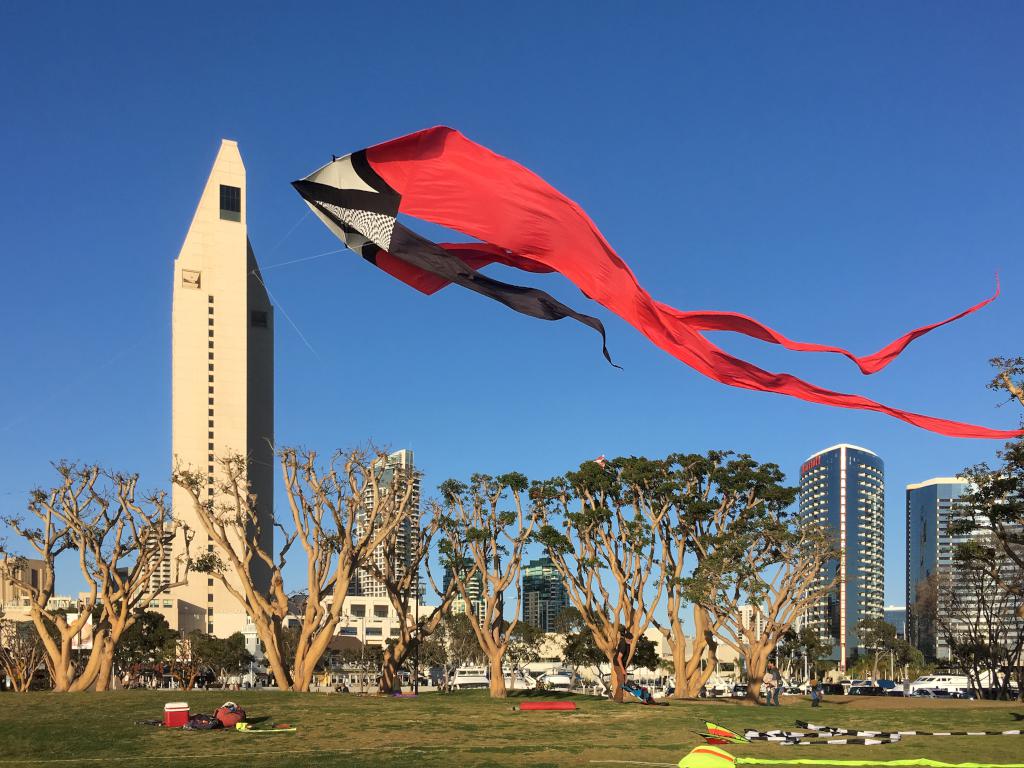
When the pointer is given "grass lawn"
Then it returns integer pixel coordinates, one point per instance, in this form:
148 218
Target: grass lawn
466 729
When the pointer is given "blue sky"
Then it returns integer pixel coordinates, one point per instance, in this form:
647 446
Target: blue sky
842 172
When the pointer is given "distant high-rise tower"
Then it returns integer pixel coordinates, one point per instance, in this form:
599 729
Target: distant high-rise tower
544 594
475 590
938 587
399 465
222 390
929 556
843 489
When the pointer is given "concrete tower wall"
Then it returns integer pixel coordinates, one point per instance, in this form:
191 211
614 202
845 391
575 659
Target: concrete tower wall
222 388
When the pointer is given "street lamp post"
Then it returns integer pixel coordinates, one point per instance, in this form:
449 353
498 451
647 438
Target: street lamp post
416 657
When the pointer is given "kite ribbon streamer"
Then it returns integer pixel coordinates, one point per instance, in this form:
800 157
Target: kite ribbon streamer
909 761
441 176
715 757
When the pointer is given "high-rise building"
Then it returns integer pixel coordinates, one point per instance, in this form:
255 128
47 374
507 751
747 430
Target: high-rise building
222 389
937 586
475 591
897 616
929 555
843 489
544 594
399 469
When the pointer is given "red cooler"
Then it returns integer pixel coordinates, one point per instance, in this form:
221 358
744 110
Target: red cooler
176 714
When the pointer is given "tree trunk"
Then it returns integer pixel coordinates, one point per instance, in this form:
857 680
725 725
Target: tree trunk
618 680
85 680
269 634
106 666
497 678
389 678
757 663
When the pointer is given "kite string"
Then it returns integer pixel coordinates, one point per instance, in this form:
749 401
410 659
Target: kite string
288 233
304 258
287 317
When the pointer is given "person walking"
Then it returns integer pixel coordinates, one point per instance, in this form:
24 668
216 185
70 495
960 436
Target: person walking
769 682
778 683
816 691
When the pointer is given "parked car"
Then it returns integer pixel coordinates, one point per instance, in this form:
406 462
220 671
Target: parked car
832 689
866 690
739 690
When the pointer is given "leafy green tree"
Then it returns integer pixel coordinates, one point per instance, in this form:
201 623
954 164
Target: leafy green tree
752 549
813 648
142 643
878 637
486 525
581 650
599 529
227 656
646 654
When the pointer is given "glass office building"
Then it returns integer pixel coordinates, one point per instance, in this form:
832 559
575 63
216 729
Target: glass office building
843 489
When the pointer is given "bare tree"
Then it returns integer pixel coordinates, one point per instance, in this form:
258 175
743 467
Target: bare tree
482 537
339 514
992 507
751 551
978 622
599 524
21 652
118 541
397 568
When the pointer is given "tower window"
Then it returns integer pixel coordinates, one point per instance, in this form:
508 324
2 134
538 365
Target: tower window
230 203
259 319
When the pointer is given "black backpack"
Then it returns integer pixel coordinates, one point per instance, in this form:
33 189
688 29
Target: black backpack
201 722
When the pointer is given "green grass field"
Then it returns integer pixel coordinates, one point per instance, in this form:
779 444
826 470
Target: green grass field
466 729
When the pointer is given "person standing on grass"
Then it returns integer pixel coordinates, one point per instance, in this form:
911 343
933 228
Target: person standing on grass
621 654
779 682
816 691
768 683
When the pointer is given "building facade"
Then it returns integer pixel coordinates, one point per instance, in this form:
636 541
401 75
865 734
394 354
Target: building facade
400 466
929 557
897 616
843 489
544 594
475 591
943 598
15 599
222 390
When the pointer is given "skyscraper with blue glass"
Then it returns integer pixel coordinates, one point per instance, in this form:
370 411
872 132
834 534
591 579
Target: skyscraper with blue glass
843 489
930 506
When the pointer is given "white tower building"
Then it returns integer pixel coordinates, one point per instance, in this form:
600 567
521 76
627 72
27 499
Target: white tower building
223 378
